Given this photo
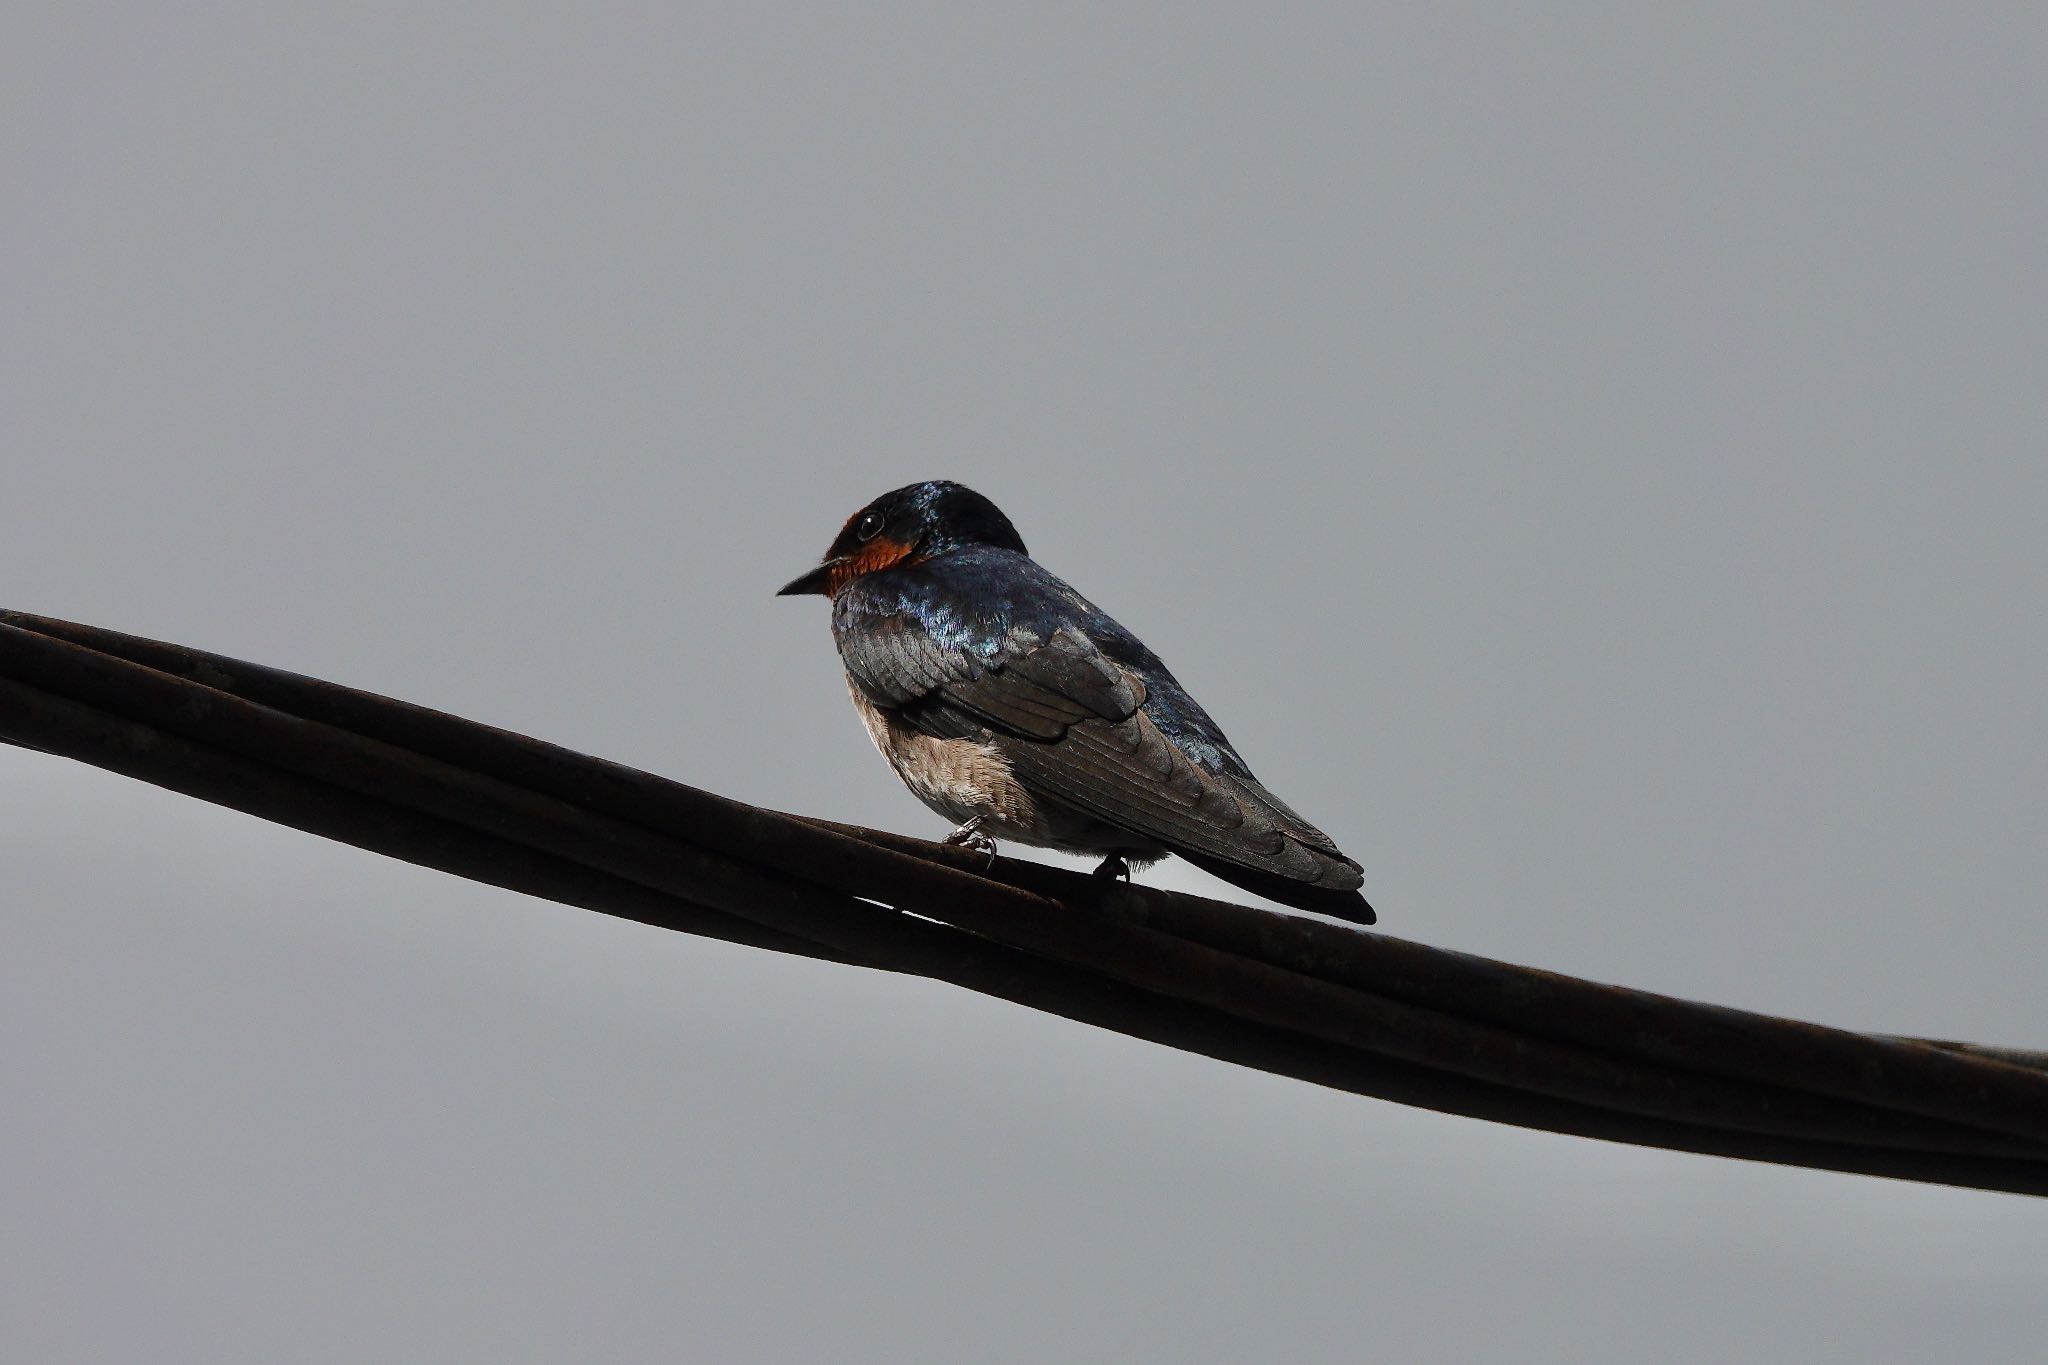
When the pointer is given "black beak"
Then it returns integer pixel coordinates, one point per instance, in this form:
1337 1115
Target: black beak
812 582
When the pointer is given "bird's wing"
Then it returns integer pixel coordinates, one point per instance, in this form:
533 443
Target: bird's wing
1031 687
1072 724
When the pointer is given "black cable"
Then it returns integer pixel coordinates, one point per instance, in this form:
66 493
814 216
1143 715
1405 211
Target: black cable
1284 993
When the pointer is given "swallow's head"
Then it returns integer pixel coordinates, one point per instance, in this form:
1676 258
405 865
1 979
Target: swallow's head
907 526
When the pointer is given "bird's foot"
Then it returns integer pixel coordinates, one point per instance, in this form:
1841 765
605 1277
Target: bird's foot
970 836
1115 890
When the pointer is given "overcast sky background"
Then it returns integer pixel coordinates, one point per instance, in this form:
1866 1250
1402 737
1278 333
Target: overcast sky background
1591 462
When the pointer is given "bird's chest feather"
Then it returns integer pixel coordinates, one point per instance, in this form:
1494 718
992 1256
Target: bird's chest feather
963 778
958 778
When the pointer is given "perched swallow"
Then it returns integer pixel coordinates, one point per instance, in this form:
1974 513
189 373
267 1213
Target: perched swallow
1009 703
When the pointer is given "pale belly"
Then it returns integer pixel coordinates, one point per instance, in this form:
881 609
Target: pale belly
964 779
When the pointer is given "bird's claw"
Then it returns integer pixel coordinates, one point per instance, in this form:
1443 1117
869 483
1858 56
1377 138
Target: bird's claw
1114 869
970 836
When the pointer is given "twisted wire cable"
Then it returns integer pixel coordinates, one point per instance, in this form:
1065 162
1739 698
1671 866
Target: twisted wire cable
1322 1002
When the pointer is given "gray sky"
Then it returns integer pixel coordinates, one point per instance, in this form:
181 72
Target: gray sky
1591 462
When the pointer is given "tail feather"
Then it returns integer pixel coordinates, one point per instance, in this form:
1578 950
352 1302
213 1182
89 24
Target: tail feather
1338 902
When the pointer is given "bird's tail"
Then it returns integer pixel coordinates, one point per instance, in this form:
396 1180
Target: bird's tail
1338 903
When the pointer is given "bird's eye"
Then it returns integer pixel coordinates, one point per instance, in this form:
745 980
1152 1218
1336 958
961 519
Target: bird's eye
870 525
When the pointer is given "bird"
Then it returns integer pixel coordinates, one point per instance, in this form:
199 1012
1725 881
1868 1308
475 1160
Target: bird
1011 704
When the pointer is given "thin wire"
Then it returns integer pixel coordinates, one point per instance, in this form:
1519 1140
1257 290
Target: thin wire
1322 1002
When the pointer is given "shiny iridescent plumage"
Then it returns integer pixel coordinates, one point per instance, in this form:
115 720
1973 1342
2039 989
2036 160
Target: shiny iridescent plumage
997 691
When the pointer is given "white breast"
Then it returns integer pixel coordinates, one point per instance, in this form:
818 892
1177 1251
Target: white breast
965 778
958 778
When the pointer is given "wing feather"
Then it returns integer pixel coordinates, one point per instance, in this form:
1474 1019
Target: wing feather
1072 724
